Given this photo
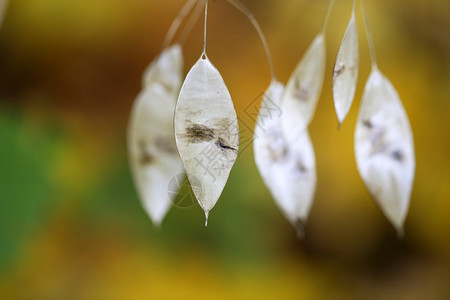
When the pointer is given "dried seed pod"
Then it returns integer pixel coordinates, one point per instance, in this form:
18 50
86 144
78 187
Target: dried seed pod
303 90
288 169
384 148
166 69
152 151
345 73
206 132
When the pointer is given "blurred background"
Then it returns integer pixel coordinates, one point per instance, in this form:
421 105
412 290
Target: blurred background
72 227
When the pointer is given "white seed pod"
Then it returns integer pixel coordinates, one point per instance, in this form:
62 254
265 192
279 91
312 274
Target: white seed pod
303 90
167 69
345 73
151 142
288 169
206 132
384 148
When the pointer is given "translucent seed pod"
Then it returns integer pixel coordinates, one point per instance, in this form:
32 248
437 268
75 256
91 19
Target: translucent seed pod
303 90
206 131
346 67
384 148
287 168
152 152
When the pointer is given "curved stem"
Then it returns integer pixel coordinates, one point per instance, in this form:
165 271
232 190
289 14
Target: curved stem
191 22
204 33
373 57
177 22
252 19
327 16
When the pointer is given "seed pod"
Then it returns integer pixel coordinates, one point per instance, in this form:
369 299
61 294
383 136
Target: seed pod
288 169
206 132
303 90
345 73
151 143
384 148
167 69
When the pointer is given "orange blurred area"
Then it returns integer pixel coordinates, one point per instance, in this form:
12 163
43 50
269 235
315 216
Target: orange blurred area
72 227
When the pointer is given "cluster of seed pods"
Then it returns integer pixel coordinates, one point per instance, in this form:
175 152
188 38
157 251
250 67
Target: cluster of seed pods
204 119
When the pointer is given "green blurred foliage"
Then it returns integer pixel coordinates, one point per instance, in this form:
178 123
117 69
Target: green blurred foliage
25 186
72 227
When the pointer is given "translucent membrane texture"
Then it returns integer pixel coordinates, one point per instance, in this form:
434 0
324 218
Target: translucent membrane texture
345 75
303 90
384 148
151 143
288 169
207 132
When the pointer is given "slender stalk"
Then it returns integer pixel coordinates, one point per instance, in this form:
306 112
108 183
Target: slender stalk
373 56
191 22
255 24
177 22
327 16
354 5
206 25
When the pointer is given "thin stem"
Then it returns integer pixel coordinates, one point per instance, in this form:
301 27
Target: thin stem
354 5
177 22
191 22
206 25
327 16
252 19
373 57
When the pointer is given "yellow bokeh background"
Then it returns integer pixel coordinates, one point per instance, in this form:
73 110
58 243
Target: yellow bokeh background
72 227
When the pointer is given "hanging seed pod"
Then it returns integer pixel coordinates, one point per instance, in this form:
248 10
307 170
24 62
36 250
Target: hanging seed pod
151 143
288 169
206 132
303 90
345 73
384 148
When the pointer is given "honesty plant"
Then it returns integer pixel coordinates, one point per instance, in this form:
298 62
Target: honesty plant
206 131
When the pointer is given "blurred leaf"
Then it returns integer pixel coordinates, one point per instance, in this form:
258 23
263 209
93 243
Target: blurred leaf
24 183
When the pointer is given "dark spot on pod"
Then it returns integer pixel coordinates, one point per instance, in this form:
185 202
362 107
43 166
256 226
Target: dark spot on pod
397 155
300 93
145 157
221 144
339 71
199 133
301 167
285 151
367 124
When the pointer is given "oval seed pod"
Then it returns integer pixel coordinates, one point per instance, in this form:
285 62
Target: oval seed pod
303 90
345 73
384 148
206 132
151 143
288 169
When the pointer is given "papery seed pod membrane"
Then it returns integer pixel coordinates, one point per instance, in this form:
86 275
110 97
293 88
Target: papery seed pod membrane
206 132
384 148
345 73
303 90
167 69
287 168
151 142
